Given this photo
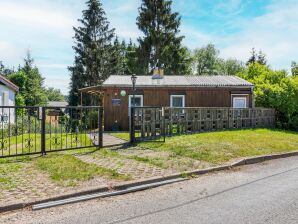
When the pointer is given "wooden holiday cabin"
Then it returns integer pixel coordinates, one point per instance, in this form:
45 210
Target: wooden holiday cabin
169 91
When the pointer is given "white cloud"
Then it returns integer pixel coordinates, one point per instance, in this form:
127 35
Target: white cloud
122 16
275 33
228 8
53 66
194 38
58 83
10 53
36 17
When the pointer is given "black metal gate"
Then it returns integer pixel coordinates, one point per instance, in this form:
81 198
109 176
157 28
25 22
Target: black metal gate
39 130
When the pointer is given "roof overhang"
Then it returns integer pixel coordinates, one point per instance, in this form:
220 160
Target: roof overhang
9 84
92 90
175 86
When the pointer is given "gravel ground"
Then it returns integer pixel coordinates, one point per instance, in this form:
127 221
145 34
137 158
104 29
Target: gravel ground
262 193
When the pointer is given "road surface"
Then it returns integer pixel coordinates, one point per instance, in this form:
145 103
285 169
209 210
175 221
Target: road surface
262 193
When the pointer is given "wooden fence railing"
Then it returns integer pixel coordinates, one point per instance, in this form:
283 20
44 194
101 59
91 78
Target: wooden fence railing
154 122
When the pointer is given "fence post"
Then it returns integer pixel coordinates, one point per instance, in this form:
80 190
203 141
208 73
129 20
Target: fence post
100 131
132 125
163 121
43 131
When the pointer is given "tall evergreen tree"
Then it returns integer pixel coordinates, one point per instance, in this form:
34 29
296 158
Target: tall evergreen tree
76 82
5 70
132 60
253 58
93 50
119 59
161 45
262 58
259 57
294 69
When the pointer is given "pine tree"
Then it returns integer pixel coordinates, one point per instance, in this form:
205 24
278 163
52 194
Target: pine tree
94 50
253 57
262 58
294 69
4 70
132 60
76 82
119 58
161 45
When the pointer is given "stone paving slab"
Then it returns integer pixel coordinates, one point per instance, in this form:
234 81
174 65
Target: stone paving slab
109 140
32 185
136 170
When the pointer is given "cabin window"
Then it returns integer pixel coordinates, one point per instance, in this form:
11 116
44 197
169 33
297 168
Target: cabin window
137 101
1 99
177 101
4 98
239 102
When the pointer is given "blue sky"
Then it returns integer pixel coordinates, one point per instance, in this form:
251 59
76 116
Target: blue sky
234 26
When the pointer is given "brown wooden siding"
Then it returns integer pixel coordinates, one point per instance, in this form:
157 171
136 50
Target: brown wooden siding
194 97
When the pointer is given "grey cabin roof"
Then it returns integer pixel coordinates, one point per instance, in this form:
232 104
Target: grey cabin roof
178 81
57 104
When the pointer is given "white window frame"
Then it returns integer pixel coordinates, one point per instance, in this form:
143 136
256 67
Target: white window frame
129 102
1 99
136 96
5 98
237 97
183 100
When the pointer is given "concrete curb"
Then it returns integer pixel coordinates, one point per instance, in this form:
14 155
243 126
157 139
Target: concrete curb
121 187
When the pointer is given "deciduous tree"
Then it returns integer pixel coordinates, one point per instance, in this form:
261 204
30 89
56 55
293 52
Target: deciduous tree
206 60
275 89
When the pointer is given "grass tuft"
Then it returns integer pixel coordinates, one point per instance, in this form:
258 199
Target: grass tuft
7 180
69 170
153 161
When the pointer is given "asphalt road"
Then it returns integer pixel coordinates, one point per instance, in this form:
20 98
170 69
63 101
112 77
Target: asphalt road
262 193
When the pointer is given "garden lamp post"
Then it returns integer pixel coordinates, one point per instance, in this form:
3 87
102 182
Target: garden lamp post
131 123
133 80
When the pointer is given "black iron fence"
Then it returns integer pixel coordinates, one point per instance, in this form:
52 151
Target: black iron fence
154 123
39 130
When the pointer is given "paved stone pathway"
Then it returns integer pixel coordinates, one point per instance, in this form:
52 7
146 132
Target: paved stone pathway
109 140
136 170
29 185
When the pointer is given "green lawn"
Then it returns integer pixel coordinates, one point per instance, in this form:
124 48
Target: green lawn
122 135
218 147
19 144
